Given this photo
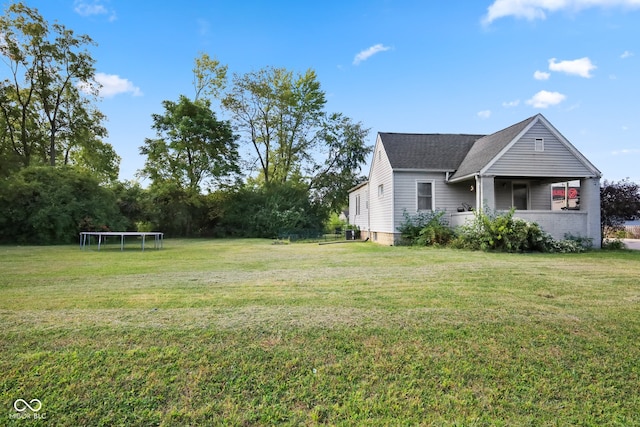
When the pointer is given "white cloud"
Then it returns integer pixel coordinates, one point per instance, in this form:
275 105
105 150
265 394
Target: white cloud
545 99
538 9
113 85
541 75
579 67
511 104
626 54
484 114
368 53
94 7
626 151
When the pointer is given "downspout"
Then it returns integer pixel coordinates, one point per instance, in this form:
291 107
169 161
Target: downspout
393 208
479 206
369 211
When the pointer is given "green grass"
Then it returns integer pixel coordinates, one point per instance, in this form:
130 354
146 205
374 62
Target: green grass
244 332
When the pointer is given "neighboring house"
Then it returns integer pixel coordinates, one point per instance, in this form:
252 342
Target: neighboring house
516 167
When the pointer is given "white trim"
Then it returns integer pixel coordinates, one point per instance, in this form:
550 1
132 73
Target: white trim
433 194
463 178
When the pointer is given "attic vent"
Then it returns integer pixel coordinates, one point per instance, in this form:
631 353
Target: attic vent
539 144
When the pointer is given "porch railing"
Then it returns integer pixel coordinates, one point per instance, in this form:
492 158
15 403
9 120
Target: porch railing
556 223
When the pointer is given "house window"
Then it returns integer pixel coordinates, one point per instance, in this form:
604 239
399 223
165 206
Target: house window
358 204
521 196
425 196
539 144
380 190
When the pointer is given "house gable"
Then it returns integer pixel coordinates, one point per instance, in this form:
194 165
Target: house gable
486 149
540 152
512 152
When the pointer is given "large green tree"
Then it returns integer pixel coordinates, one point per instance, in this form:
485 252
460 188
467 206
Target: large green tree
278 112
282 117
47 94
193 148
344 151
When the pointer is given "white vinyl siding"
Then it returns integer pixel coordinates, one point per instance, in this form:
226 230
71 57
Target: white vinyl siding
381 179
522 159
359 207
447 197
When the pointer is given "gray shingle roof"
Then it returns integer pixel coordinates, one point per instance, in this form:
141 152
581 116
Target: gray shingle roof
426 151
464 154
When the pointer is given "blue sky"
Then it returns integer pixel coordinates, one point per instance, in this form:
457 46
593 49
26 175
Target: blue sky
396 66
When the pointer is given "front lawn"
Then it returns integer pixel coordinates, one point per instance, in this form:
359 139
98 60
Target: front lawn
245 332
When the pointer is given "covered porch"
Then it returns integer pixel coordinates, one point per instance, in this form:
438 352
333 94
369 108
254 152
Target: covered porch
560 205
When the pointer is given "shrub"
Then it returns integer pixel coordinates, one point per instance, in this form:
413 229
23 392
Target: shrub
501 232
426 228
334 224
613 244
584 242
277 210
504 233
47 205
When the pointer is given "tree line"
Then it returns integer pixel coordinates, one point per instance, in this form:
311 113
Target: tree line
279 164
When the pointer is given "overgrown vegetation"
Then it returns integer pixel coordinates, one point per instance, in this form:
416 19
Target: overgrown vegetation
489 231
243 332
45 205
426 228
298 159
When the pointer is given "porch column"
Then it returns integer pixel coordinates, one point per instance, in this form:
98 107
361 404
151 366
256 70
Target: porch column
590 202
487 193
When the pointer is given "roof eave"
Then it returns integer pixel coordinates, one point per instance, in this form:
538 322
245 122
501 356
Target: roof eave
423 170
463 177
362 184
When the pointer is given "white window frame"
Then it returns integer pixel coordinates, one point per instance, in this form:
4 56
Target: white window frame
433 195
357 204
539 144
381 190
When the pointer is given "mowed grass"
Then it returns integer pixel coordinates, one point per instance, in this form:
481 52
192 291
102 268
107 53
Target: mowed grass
244 332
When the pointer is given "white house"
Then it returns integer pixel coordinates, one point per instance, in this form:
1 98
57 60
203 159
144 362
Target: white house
515 167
